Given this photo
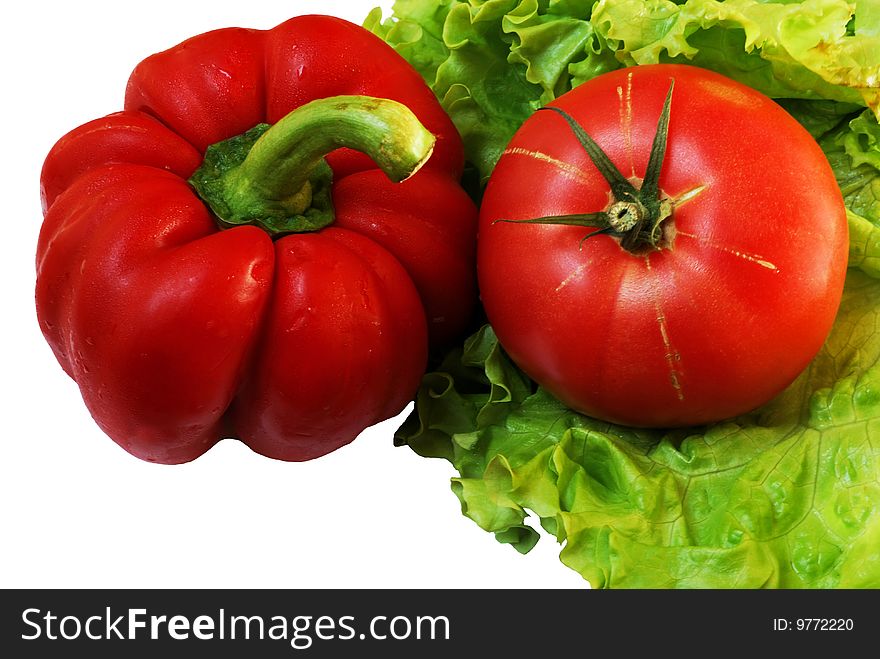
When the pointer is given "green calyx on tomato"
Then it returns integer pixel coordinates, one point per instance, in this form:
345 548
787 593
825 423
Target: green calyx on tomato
635 215
276 177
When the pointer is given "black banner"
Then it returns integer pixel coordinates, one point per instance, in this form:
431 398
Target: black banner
405 623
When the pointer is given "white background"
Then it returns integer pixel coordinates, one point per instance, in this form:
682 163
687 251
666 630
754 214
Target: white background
76 510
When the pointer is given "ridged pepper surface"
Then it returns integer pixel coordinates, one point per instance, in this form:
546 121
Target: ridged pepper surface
203 275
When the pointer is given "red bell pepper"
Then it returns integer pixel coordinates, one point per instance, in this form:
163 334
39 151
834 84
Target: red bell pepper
256 289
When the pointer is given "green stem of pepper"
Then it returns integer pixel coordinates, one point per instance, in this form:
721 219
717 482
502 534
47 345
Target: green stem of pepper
276 177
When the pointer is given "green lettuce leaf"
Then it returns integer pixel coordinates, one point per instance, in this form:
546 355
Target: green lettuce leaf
787 497
493 63
853 149
812 49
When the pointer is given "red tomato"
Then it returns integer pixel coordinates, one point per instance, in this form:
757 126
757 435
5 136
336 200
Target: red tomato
729 306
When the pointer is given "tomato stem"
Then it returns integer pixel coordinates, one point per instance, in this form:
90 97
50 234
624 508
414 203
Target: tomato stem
625 215
635 215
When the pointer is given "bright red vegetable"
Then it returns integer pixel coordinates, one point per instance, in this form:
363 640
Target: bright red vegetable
700 296
298 312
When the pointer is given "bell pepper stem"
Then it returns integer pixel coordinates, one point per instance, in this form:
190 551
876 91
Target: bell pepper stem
280 163
277 177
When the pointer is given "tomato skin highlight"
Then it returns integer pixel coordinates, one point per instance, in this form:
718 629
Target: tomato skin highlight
719 320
